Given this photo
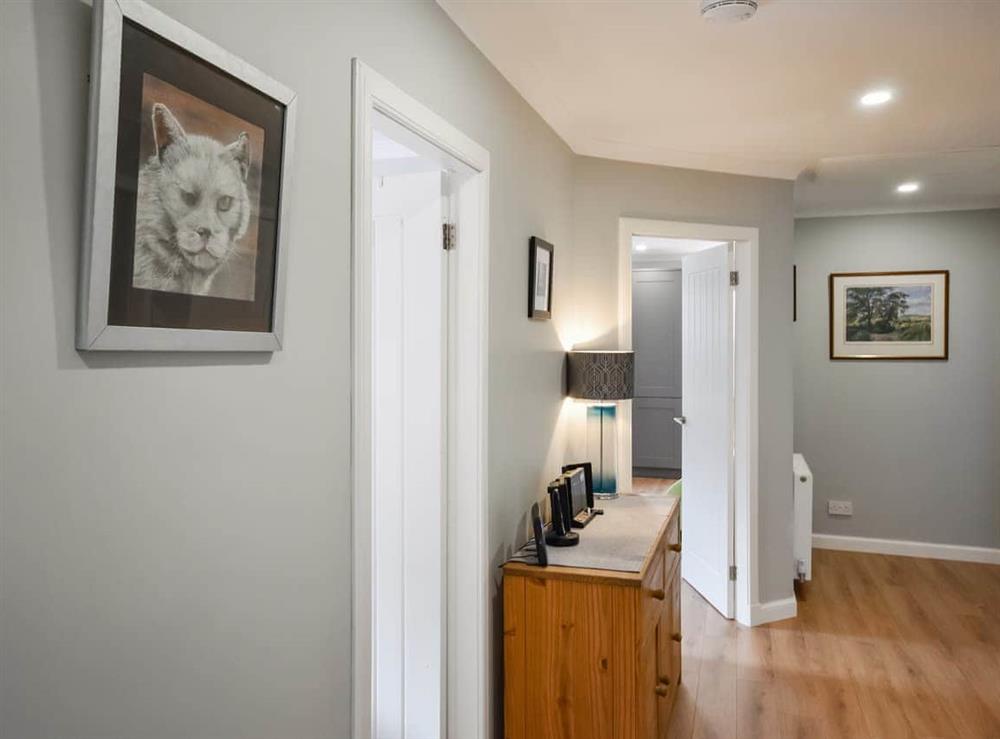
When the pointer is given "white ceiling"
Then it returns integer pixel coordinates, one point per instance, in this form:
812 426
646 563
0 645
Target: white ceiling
658 246
385 148
956 180
653 82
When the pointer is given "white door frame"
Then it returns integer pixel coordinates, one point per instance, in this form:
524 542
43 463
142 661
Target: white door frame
467 659
747 240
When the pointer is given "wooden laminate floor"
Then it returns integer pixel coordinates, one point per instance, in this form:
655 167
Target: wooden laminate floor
883 648
651 485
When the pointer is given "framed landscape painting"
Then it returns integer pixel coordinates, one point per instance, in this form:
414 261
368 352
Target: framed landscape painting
185 233
889 315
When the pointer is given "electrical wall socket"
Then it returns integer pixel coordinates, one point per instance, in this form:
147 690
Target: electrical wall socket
840 508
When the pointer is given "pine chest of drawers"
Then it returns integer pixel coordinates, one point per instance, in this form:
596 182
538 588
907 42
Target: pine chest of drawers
596 653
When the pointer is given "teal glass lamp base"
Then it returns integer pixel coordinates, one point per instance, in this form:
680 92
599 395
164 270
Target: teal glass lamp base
602 449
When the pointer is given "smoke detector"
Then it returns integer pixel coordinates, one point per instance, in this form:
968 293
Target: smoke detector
728 11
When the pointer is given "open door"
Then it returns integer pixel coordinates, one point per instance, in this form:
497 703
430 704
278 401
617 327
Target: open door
707 452
409 425
419 416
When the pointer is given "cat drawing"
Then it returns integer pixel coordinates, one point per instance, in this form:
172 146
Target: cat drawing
192 208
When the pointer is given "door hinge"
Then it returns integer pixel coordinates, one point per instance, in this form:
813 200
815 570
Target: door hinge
734 278
448 236
732 573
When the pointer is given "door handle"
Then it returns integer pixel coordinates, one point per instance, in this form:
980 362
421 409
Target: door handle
680 420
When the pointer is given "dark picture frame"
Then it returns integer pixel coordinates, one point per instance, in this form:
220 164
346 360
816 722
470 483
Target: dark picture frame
795 293
541 259
181 263
884 330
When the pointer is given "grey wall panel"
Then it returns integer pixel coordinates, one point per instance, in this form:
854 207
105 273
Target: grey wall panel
656 333
657 341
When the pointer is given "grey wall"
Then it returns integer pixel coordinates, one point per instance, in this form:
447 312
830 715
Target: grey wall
175 544
606 190
915 445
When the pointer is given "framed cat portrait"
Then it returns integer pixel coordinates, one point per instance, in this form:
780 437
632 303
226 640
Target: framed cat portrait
185 233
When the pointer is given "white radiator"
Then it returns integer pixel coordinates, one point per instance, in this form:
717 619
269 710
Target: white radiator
802 538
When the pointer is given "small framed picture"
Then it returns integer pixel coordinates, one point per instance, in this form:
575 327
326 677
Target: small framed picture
795 293
540 256
889 315
185 234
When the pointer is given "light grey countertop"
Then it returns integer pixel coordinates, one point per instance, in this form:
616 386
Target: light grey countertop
621 538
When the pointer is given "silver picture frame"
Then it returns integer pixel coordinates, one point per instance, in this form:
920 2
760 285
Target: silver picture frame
93 329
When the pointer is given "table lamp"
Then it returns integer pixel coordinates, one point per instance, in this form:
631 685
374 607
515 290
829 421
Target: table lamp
602 378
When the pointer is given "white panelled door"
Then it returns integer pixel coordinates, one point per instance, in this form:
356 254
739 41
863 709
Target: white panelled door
409 353
707 500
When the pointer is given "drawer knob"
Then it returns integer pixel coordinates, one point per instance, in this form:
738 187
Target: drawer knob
658 593
676 636
662 686
675 547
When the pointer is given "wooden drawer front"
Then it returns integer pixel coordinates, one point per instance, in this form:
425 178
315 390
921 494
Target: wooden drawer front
666 677
675 626
672 549
676 667
647 701
653 596
675 590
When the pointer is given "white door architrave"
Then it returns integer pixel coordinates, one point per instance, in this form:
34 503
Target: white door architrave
467 710
746 423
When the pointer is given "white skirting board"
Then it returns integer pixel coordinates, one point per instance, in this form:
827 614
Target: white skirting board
903 548
774 610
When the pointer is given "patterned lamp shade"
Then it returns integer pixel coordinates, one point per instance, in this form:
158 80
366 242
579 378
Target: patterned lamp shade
601 375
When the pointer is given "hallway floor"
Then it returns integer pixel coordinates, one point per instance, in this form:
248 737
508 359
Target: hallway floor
883 648
651 485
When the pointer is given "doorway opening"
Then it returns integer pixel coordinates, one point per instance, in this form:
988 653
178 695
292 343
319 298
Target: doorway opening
419 264
657 340
682 335
720 453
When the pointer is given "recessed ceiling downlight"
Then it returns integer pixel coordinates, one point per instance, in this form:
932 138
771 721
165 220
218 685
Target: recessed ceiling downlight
728 11
876 97
908 187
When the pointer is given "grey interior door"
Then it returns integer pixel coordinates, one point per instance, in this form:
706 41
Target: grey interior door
656 439
657 341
